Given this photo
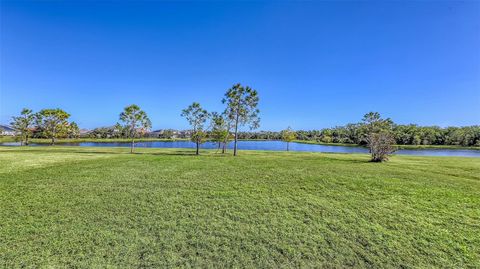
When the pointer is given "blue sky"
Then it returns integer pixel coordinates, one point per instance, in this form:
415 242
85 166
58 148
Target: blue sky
315 64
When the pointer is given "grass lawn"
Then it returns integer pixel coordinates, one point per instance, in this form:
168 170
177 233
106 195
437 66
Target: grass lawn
102 207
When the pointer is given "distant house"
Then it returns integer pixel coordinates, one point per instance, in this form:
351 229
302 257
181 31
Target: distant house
84 132
155 133
6 130
185 134
170 133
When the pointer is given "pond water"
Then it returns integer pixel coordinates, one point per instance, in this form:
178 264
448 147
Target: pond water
272 145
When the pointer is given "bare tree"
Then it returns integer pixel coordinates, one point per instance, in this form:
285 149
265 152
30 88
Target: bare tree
381 145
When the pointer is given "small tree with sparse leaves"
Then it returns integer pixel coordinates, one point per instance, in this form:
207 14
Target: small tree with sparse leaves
196 117
241 109
288 135
23 125
220 130
136 122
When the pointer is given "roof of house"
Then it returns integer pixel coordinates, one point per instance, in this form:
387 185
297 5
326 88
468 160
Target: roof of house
6 128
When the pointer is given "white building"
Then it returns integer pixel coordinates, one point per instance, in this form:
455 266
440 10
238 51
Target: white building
6 130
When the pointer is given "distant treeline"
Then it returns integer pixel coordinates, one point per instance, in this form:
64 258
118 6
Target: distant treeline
403 134
349 134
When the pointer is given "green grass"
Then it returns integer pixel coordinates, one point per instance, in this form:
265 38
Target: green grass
101 207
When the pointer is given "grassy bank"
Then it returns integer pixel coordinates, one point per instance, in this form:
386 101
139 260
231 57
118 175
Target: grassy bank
101 207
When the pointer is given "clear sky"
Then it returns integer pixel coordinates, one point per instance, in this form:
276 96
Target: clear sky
315 64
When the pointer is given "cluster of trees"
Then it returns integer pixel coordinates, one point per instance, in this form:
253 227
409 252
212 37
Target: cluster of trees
47 123
403 134
116 131
241 110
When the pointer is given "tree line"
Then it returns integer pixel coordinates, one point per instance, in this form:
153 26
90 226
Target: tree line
410 134
47 123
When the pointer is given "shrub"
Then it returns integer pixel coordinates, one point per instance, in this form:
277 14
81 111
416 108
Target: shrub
381 146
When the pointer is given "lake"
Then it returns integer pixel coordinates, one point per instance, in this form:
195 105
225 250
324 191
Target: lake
272 145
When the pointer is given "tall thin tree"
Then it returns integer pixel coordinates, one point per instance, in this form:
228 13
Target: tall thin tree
136 122
23 125
220 130
196 117
242 109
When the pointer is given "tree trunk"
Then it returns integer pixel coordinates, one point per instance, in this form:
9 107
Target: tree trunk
287 146
26 140
198 147
236 131
53 140
224 148
133 145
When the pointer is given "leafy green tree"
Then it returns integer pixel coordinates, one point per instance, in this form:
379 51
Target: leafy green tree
136 122
220 130
23 125
53 123
379 136
374 122
326 136
196 117
241 109
73 130
118 131
288 135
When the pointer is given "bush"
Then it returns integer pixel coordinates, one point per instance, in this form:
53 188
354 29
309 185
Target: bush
381 146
